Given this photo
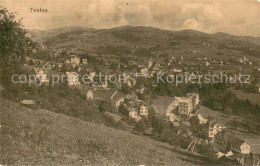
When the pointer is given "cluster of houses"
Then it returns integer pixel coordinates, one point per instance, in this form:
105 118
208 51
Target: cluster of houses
175 65
138 114
177 108
137 109
236 151
228 148
245 61
76 61
73 77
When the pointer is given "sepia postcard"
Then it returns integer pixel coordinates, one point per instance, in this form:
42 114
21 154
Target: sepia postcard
130 82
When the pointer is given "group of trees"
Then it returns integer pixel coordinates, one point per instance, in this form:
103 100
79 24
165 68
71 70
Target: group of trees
14 46
163 131
106 106
113 50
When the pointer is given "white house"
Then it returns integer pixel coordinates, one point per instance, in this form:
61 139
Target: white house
150 63
258 87
130 81
172 117
195 98
85 61
156 67
144 110
119 101
73 79
75 61
211 128
176 70
245 148
238 145
144 70
41 74
89 95
102 86
185 108
133 114
92 75
202 120
118 98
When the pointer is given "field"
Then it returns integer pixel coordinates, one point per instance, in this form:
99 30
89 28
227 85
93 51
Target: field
41 137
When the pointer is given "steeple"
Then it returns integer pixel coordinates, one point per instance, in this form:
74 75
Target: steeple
150 62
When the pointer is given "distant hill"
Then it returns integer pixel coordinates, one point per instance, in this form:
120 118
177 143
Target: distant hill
172 42
42 35
250 39
41 137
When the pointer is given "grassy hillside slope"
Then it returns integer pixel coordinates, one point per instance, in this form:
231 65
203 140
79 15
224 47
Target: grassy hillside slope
42 137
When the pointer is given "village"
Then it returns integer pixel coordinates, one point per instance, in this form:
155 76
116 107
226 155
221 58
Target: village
135 101
129 83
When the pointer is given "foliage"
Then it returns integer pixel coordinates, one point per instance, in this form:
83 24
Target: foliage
125 89
105 106
140 127
14 45
205 150
123 110
31 63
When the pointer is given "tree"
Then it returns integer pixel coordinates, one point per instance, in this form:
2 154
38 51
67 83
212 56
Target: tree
63 68
13 46
105 106
157 125
205 149
101 107
31 63
125 89
141 96
228 111
140 127
123 110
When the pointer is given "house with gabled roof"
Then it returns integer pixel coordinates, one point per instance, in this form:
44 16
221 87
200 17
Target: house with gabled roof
73 79
160 110
133 113
41 74
84 61
74 60
118 98
87 93
144 110
238 145
210 129
229 142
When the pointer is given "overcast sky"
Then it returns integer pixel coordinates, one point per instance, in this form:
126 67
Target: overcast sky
239 17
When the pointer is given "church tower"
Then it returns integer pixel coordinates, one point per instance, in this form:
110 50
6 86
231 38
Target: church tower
150 63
